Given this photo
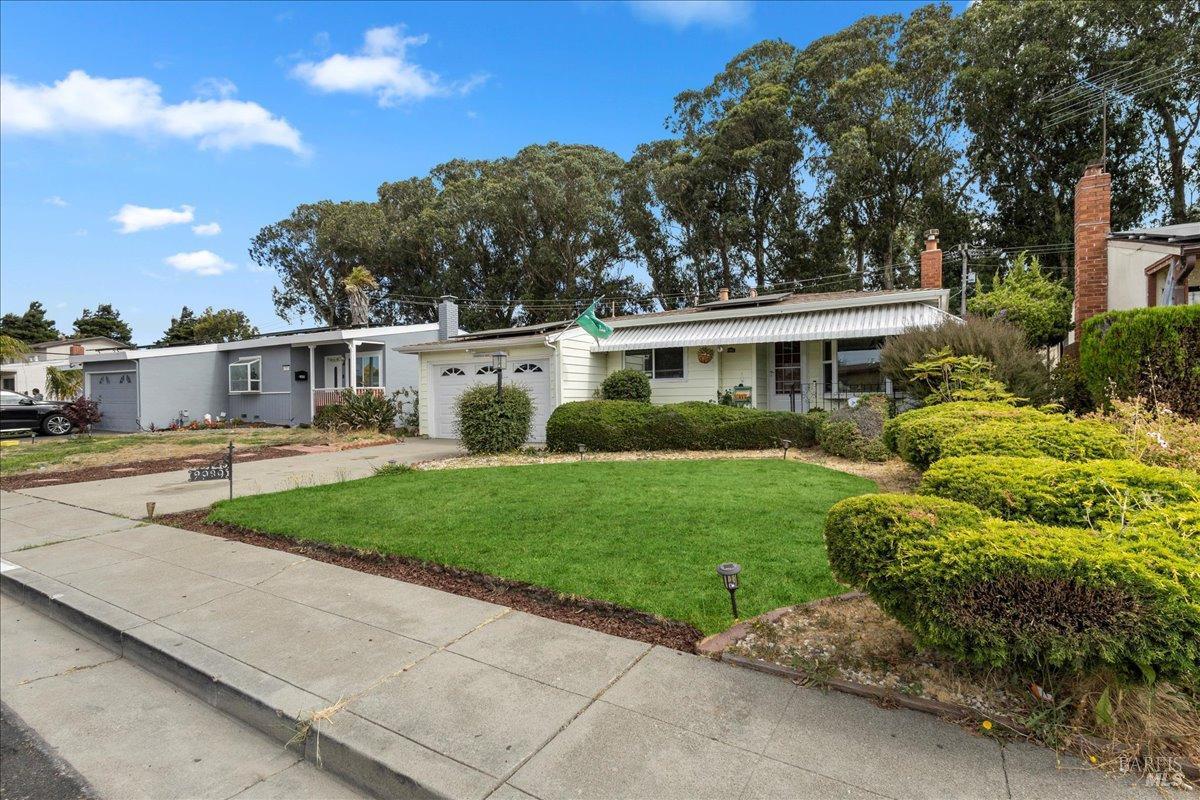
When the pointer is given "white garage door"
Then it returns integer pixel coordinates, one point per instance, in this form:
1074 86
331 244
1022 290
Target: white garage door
116 392
449 381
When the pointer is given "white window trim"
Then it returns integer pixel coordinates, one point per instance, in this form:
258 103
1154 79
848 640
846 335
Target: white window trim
358 358
249 382
682 379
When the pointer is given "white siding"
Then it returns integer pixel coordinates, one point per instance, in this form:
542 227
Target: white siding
580 370
699 381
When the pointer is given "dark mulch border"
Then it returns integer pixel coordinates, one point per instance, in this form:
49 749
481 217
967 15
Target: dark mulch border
598 615
242 455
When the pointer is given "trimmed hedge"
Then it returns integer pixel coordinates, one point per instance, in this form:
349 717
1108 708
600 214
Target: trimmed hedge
1148 352
626 384
917 435
863 533
1055 492
487 424
1053 437
615 425
1023 595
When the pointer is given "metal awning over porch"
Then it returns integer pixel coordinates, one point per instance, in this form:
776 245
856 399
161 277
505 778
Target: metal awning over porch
836 323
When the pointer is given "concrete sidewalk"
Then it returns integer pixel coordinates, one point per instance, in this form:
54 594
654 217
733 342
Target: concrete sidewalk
412 692
171 491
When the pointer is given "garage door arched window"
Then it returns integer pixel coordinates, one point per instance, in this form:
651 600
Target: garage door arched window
450 371
486 369
245 376
528 368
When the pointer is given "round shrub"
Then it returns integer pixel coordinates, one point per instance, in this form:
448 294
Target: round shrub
862 533
1053 437
1009 594
917 435
491 424
841 437
1057 492
616 425
626 384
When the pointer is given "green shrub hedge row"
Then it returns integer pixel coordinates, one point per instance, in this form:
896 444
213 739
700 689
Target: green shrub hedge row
1055 492
613 425
917 435
1054 436
1020 594
1151 352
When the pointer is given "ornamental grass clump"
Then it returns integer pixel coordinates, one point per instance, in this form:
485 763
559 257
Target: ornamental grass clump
916 436
1056 492
1120 599
491 423
1054 436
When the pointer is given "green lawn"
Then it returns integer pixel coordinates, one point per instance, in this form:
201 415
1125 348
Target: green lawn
102 449
646 534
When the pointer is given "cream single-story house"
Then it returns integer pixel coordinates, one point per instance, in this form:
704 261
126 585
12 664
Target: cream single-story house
29 372
786 351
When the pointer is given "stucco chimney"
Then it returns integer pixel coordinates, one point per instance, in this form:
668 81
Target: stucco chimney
723 294
1093 216
447 317
931 261
77 350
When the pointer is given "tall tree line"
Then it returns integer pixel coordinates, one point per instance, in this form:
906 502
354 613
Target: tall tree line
814 169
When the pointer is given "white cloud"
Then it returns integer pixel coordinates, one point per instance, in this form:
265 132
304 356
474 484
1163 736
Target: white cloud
207 229
55 200
201 262
215 87
80 103
680 14
139 218
381 68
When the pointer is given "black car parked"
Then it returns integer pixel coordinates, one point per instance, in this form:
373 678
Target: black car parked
21 413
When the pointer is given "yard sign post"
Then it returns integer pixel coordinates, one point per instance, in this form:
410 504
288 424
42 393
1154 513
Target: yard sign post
221 469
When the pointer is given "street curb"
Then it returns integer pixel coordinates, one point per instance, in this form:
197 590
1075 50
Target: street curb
356 752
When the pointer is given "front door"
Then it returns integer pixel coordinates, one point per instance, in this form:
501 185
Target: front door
788 367
335 372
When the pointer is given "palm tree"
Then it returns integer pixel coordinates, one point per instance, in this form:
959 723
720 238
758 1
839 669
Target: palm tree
357 284
12 349
64 384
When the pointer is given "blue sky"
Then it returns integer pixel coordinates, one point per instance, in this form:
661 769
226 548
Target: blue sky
131 133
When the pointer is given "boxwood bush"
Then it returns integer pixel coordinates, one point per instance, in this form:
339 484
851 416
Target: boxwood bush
1054 436
626 384
1147 352
917 435
614 425
491 424
1024 595
1056 492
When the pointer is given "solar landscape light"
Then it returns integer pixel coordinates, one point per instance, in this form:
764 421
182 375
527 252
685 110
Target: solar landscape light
785 443
582 450
729 572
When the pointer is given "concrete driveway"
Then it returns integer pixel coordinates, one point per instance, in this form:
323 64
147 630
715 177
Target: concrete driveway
170 491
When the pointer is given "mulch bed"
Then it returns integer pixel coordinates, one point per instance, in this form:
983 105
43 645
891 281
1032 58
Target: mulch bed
595 614
29 480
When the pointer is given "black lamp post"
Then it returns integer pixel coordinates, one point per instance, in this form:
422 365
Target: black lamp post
499 362
729 577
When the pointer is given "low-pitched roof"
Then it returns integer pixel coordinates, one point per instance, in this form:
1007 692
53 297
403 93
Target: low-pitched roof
1185 233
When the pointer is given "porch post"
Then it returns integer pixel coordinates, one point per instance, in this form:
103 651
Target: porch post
312 382
352 369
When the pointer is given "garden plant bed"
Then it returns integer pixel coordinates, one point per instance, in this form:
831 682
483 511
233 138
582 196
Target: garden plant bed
194 455
597 615
847 643
644 535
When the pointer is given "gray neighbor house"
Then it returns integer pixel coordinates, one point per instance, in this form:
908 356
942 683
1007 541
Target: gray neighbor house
278 379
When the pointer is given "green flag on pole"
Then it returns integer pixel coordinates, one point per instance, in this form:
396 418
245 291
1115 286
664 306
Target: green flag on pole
597 327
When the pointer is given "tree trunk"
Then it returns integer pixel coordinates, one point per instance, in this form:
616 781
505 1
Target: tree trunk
1177 200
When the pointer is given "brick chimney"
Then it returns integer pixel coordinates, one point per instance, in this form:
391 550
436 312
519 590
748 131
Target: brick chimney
447 317
931 261
723 294
77 350
1093 215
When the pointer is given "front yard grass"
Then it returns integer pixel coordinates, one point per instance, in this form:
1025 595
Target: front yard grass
60 453
645 535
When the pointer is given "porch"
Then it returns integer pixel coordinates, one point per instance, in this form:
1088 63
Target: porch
355 366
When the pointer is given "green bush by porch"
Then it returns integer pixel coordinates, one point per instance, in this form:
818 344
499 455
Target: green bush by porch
647 534
616 425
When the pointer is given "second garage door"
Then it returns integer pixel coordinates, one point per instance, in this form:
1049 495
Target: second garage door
116 392
449 381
